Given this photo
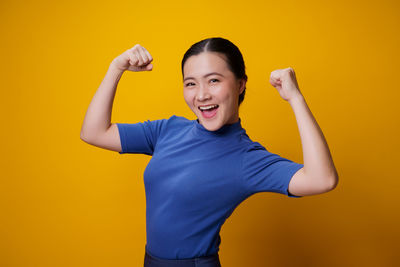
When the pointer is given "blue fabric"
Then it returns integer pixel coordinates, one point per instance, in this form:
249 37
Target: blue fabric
196 178
205 261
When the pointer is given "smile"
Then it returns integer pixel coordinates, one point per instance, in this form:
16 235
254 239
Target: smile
209 111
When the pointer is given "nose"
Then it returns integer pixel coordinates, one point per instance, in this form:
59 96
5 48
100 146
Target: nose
203 93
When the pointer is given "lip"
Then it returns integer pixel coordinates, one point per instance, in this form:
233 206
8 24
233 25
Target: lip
209 117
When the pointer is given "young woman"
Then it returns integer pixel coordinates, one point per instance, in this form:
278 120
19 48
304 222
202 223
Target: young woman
202 169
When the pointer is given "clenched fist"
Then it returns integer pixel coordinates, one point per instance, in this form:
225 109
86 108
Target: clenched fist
135 59
284 80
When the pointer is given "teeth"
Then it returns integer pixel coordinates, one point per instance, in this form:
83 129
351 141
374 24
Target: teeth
208 107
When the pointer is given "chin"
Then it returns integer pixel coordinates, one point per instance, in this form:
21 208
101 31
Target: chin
211 125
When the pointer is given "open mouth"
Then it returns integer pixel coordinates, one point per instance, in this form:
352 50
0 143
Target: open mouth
209 111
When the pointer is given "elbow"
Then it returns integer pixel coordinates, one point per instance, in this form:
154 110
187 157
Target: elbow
333 181
84 138
86 135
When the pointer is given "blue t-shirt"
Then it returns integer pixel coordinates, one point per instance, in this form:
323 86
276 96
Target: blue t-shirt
196 178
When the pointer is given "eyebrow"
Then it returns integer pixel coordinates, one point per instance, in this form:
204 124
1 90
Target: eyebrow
208 74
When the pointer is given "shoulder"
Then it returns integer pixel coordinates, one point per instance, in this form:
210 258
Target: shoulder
249 145
173 120
178 121
255 154
175 125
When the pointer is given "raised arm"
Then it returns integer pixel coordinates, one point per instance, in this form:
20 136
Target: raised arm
319 174
97 128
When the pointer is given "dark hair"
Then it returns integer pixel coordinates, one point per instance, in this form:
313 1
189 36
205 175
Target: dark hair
234 58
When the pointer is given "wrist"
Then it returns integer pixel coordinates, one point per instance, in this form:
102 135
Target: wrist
113 67
297 98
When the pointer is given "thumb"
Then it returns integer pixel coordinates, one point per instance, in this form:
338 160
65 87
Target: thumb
149 67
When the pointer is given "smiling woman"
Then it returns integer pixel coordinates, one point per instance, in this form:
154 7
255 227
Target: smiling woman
214 74
202 169
209 82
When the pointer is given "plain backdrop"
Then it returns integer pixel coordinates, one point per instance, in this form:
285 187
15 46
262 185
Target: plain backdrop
66 203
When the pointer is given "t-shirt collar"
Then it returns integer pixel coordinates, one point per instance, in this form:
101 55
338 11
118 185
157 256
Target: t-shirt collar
226 129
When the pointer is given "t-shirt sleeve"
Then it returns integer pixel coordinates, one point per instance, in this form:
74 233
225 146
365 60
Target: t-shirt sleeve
141 137
264 171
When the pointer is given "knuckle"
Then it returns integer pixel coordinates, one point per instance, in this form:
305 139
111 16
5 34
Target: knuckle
134 59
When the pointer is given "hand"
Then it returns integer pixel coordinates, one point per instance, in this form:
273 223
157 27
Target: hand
135 59
284 80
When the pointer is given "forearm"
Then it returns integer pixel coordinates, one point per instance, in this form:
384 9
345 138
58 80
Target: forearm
318 163
98 114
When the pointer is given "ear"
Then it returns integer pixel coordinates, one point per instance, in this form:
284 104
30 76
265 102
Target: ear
242 85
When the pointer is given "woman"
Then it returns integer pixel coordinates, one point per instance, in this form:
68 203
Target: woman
202 169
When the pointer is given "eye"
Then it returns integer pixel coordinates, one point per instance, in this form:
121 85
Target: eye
188 84
214 80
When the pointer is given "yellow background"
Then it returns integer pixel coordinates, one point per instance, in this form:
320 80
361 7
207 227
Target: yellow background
67 203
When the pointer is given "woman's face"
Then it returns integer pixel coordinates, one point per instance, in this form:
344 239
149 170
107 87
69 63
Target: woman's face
208 82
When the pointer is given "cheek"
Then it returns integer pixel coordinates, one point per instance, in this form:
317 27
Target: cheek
226 94
188 98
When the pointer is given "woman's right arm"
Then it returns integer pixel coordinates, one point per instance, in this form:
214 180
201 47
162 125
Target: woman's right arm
97 128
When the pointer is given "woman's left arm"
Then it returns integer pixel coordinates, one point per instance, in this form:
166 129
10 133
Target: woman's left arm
319 174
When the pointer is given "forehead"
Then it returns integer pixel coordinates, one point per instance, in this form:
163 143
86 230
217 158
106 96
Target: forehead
205 62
